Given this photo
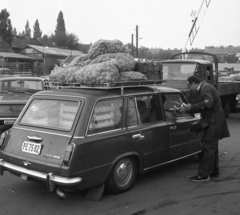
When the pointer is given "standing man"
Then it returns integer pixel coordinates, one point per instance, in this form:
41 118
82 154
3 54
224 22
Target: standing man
210 107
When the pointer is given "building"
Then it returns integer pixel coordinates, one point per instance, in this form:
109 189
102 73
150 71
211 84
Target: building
47 57
18 64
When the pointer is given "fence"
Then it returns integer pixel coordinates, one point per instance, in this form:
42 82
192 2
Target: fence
21 69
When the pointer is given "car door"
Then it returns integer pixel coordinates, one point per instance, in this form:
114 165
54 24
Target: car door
182 141
148 131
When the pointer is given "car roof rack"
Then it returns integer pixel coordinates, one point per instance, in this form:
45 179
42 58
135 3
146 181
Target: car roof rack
108 85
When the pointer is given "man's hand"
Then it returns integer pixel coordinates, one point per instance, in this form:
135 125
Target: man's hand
185 108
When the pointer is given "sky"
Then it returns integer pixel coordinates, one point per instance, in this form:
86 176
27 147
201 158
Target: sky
161 23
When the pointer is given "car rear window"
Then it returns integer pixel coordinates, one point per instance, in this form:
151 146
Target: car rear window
57 114
11 108
15 86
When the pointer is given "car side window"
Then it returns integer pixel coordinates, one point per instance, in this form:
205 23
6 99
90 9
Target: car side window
170 103
148 108
132 118
106 116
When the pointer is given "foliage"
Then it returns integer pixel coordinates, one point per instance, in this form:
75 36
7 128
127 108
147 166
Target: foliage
47 40
6 26
27 30
72 41
14 32
60 37
230 58
37 33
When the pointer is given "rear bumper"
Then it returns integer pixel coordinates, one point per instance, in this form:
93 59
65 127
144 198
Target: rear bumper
51 179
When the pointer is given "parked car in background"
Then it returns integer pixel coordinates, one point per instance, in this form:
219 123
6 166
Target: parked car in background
5 72
79 138
14 94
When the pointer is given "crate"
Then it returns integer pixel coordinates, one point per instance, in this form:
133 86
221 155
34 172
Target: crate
148 67
151 75
141 67
154 67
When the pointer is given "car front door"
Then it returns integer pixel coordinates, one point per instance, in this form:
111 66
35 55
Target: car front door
148 131
182 141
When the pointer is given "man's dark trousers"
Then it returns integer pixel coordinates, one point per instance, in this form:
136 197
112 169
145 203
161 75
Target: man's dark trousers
210 162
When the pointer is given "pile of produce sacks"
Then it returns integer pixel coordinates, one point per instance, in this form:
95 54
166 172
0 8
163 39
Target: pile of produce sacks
106 61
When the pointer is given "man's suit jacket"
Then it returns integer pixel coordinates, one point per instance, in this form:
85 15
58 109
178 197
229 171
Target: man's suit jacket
210 106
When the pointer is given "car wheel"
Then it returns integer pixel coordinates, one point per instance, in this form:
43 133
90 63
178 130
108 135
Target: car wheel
227 108
122 176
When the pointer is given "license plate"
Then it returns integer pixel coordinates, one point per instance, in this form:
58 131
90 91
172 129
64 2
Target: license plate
33 148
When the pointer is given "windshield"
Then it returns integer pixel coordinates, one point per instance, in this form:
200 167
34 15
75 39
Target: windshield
178 71
14 86
56 114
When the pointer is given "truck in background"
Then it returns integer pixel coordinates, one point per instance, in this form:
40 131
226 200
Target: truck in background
179 67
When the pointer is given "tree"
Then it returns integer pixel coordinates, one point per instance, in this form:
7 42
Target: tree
14 32
27 30
72 41
60 37
231 58
47 40
37 33
6 26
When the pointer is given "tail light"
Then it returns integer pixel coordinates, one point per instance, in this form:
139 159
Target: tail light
3 138
68 154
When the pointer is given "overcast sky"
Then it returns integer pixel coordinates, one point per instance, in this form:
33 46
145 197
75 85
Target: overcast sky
162 23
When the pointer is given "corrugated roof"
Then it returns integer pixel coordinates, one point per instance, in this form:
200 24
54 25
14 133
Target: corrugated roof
14 55
55 51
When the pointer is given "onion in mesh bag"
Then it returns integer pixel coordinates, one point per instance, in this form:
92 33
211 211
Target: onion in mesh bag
65 75
123 61
77 60
106 46
98 73
132 76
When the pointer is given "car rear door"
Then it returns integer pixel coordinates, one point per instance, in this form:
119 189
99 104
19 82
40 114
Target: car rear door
149 132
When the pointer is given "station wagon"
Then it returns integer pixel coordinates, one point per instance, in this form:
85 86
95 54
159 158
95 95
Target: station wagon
76 138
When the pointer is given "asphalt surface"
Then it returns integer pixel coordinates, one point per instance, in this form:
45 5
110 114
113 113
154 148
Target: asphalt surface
166 190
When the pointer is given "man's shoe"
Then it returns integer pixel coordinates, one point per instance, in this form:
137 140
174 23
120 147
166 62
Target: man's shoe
199 178
215 174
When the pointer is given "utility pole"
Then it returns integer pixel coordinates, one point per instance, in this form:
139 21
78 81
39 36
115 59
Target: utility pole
132 46
137 41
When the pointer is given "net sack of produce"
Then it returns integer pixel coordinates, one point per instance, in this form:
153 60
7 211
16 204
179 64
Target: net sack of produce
78 60
63 75
132 76
106 46
123 61
98 73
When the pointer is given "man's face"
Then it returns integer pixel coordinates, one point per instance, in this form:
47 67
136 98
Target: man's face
192 87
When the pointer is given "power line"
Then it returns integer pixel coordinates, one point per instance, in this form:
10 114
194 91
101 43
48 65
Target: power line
74 16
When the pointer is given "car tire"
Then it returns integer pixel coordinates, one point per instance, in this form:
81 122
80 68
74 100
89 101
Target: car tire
122 176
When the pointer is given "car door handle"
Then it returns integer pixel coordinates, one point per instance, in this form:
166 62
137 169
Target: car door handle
137 136
173 127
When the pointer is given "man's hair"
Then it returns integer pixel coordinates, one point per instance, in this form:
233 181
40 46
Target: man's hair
194 79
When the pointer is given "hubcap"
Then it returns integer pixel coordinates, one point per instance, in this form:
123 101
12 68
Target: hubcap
124 173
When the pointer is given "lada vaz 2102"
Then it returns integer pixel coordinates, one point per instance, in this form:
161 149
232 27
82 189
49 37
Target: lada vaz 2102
79 138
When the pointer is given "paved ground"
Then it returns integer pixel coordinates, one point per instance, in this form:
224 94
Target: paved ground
164 191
